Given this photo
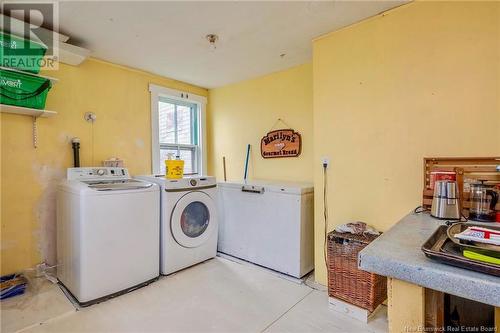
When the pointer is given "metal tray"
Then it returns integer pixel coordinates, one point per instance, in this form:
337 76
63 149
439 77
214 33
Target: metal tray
439 247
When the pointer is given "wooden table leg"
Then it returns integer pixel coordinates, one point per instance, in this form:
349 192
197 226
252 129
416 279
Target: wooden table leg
497 318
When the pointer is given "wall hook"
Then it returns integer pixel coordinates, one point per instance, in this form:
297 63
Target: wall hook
90 117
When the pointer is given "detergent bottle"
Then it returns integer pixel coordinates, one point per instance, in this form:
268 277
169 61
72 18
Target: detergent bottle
174 169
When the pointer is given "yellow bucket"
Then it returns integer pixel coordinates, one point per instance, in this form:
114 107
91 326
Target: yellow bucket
174 169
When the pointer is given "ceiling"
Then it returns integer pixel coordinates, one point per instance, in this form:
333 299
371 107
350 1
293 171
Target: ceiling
168 38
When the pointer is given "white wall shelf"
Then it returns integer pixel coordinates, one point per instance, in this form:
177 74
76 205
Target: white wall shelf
52 79
4 108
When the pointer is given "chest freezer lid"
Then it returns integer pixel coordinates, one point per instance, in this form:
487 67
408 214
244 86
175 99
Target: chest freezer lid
270 186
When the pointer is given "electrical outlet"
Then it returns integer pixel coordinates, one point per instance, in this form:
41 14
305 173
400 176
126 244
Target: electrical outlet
325 161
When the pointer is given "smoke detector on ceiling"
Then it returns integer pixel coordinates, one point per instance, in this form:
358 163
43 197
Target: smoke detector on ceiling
212 39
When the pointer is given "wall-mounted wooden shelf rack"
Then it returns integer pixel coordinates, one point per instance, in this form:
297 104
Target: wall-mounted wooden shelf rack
467 170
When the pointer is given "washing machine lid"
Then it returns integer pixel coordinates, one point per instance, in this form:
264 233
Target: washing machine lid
193 219
117 185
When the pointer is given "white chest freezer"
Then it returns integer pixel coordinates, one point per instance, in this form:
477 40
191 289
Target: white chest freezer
269 224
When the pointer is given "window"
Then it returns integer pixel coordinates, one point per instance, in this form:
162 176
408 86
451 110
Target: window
177 129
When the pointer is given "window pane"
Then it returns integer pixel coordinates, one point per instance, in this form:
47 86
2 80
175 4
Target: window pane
178 126
184 125
187 155
167 122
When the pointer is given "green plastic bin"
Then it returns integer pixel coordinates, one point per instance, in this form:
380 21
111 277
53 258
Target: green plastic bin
25 90
21 54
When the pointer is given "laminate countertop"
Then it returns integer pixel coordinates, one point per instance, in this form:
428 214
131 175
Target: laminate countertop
397 254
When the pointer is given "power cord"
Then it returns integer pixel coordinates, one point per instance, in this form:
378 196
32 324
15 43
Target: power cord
420 209
92 138
325 212
465 219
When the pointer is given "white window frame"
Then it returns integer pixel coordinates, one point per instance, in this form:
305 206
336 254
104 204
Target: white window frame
183 96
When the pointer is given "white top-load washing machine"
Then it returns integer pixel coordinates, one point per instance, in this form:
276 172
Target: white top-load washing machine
108 229
189 226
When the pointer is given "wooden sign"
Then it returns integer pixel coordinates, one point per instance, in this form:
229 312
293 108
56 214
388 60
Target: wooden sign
281 143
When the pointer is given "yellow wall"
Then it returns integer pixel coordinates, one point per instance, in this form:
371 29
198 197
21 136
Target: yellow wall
120 98
420 80
243 113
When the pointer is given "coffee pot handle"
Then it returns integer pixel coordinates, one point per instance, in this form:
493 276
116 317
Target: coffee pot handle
494 198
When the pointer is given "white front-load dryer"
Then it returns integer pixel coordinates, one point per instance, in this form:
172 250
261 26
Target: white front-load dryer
189 226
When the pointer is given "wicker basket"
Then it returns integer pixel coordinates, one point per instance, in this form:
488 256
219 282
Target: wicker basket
345 281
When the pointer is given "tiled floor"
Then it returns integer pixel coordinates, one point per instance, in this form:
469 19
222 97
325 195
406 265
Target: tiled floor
216 296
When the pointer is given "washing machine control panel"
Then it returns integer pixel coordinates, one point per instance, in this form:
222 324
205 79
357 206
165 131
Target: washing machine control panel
193 182
97 173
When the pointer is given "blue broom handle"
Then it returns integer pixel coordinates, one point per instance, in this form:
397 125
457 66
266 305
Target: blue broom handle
246 162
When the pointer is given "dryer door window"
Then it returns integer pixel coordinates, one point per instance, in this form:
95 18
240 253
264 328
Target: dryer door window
193 219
